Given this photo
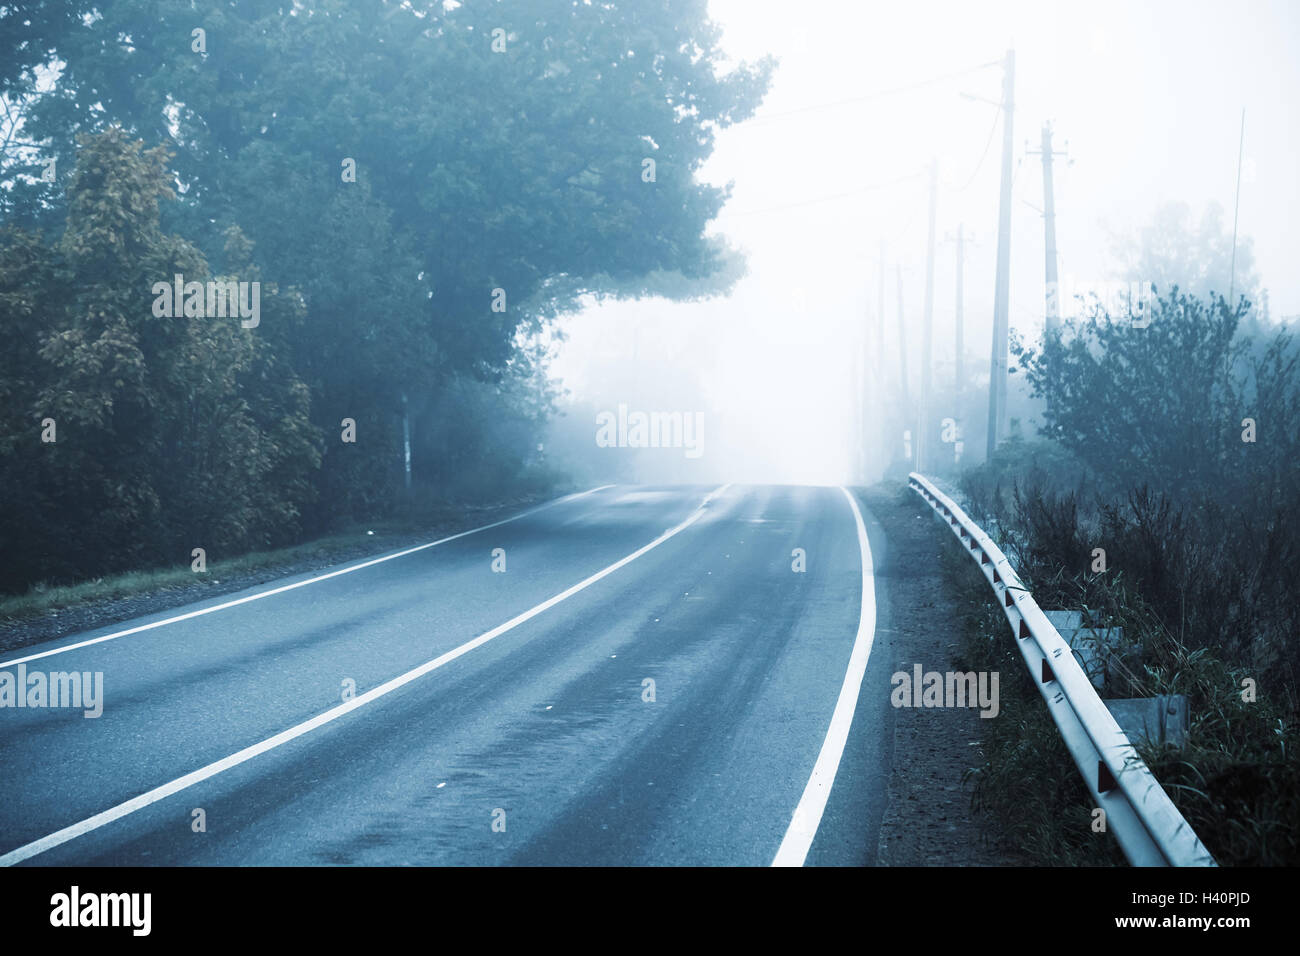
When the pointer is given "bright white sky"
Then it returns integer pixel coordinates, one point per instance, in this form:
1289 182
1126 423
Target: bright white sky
1148 94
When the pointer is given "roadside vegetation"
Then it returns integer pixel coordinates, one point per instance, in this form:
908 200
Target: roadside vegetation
1163 498
398 278
98 598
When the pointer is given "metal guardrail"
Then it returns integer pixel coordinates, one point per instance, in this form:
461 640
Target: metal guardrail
1150 830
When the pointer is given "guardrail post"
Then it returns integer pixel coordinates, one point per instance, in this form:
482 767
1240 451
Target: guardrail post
1144 820
1160 720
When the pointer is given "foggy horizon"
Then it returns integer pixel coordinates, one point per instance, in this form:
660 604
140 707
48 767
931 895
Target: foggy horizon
833 164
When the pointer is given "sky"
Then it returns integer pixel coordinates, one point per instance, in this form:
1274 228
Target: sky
1145 99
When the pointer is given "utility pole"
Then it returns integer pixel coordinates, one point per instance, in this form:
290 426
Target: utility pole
960 241
856 386
902 349
866 389
927 331
1049 231
880 317
1236 206
884 446
959 342
1002 287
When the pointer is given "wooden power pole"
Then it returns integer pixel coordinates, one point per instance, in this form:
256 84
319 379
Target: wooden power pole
880 317
997 424
902 348
1053 312
960 241
959 341
927 330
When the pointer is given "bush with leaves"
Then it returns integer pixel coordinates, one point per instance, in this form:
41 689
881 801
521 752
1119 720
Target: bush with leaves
172 432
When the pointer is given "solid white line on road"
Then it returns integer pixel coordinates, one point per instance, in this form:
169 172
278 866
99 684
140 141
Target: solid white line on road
808 814
105 817
297 584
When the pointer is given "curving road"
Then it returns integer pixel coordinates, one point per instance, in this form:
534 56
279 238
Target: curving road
498 717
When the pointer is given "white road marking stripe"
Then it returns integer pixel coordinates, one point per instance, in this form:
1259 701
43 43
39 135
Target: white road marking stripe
808 814
105 817
299 584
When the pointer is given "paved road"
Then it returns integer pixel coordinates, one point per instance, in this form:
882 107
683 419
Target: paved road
498 717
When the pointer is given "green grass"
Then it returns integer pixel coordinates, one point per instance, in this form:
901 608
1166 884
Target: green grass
350 544
1236 782
1027 781
42 599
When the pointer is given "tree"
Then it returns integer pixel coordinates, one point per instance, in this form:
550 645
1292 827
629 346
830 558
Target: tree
546 149
420 188
1164 402
1175 250
172 432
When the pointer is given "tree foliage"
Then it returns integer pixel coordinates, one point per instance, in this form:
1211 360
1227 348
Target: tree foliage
1177 400
495 147
1196 255
169 433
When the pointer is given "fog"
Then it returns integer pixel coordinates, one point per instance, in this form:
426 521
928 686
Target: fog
1145 99
605 243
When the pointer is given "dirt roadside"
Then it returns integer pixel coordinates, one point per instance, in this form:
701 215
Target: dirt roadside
929 820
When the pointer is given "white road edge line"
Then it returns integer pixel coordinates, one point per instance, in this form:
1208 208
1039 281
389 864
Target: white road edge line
297 584
808 814
68 833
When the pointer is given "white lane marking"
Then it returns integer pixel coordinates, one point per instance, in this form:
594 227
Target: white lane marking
808 814
298 584
59 837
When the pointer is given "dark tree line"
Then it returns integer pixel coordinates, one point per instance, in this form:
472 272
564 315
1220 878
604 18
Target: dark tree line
419 189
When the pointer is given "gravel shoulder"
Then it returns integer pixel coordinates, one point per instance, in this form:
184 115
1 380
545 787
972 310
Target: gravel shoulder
929 820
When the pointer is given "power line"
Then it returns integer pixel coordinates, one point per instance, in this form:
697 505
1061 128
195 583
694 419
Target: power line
984 155
1236 207
921 84
860 99
821 199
